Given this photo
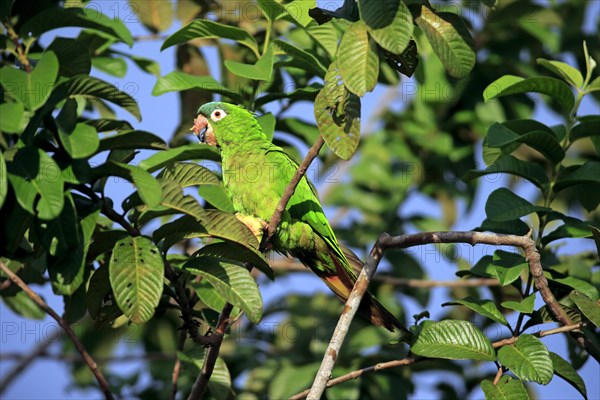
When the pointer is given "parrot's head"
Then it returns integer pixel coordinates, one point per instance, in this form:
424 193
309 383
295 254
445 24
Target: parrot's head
223 124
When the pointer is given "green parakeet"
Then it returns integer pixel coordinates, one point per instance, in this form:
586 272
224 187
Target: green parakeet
255 175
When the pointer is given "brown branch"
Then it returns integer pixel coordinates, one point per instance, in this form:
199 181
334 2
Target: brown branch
199 387
361 372
289 190
498 375
348 313
177 365
87 358
411 360
531 254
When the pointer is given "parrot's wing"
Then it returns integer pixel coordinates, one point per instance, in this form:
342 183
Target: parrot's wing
304 204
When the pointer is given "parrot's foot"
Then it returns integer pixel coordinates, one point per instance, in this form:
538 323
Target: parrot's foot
256 225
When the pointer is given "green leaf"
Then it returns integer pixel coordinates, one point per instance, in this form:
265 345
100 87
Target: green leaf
73 56
233 282
211 297
504 205
13 117
594 85
114 66
189 152
271 9
587 173
206 29
585 129
325 35
565 370
21 304
524 306
260 71
136 276
178 81
389 23
217 197
237 252
571 228
357 59
487 308
82 142
304 93
89 17
500 136
31 173
337 113
174 198
132 140
267 124
589 307
449 39
109 125
156 15
66 266
87 86
31 88
533 172
226 226
301 58
580 285
529 359
148 187
564 70
189 174
510 84
508 266
453 339
506 389
299 11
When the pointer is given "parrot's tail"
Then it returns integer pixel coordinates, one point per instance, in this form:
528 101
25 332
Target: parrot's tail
342 283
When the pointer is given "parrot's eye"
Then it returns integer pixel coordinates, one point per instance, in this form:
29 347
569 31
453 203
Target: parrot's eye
218 115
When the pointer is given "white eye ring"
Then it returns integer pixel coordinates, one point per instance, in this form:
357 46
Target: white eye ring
218 115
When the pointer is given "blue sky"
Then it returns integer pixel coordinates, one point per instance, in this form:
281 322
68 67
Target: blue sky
48 379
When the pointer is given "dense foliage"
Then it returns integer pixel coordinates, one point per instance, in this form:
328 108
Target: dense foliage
461 77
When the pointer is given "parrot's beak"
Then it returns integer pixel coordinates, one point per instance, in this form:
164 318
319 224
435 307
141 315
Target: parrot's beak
201 126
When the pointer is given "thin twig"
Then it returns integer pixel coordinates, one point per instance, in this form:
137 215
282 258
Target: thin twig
177 365
348 313
360 372
212 353
498 375
411 360
289 190
87 358
24 362
21 54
